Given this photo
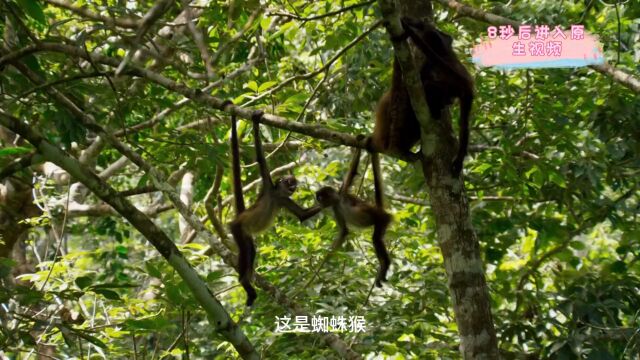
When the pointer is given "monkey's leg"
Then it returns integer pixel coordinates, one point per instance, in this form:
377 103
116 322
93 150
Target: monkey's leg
246 256
379 230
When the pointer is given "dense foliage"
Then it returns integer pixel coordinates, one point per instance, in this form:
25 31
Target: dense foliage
552 181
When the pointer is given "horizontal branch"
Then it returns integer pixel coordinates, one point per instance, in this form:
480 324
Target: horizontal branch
314 131
410 200
322 16
99 210
123 21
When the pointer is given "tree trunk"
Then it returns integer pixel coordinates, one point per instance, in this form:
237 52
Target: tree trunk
456 237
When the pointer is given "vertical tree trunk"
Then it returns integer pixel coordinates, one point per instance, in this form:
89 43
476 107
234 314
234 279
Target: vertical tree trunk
456 237
463 264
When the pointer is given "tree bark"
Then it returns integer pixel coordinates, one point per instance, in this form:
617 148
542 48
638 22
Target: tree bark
220 319
456 237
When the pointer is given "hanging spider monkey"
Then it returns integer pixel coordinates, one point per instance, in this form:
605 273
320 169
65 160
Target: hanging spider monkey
350 210
444 78
258 217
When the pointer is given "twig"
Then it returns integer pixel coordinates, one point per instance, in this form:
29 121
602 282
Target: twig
317 71
322 16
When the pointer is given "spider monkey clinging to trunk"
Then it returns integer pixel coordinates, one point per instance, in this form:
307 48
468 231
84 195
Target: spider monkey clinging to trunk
444 78
257 218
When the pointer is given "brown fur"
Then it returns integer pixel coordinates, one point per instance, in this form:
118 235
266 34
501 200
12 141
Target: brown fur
349 210
258 217
444 78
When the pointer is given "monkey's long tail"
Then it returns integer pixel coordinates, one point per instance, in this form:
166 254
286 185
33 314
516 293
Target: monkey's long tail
377 180
246 258
235 166
465 113
381 249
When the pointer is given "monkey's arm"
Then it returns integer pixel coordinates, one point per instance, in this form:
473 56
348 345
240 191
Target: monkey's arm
301 213
267 183
235 167
344 231
353 170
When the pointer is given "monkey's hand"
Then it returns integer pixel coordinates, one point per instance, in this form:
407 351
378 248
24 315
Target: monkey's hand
257 116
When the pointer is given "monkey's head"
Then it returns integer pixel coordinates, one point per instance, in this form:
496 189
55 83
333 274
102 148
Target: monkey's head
287 185
327 196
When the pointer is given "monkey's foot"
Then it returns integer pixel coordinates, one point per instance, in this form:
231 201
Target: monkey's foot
251 292
251 295
380 278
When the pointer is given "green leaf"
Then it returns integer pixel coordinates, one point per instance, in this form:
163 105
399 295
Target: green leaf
114 286
480 169
122 251
215 275
92 339
109 294
557 179
33 64
153 270
143 180
619 267
17 150
33 10
578 245
84 281
266 85
148 324
252 85
174 294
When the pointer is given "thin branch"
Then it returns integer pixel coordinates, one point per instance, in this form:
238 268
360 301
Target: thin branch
410 200
114 168
99 210
123 21
319 70
155 13
314 131
298 118
248 25
198 39
534 264
322 16
179 104
19 164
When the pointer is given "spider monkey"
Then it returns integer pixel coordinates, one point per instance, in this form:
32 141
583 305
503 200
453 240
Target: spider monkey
444 78
258 217
350 210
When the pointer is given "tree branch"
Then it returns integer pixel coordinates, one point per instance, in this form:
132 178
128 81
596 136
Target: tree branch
221 320
156 177
322 16
622 77
121 21
314 131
